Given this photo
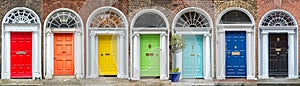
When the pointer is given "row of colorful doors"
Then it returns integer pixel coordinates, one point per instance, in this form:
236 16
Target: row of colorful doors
192 54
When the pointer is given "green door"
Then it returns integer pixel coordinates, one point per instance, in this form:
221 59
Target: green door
149 55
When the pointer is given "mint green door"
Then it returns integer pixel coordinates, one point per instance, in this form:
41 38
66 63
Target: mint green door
149 54
193 57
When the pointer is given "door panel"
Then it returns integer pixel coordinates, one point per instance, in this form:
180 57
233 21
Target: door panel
63 54
235 54
150 55
278 54
107 55
193 57
21 54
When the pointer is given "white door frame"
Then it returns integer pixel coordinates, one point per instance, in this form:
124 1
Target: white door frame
207 41
263 46
92 44
221 40
135 45
20 25
49 45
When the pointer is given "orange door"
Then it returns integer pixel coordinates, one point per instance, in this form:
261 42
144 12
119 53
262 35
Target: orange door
63 54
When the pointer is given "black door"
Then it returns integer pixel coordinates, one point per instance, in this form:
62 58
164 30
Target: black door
278 54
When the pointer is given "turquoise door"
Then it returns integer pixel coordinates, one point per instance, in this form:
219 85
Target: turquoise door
193 57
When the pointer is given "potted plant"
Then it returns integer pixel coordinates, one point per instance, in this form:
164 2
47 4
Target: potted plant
177 43
175 75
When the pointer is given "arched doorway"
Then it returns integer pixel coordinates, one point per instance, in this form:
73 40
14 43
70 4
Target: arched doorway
235 44
278 45
107 43
195 26
63 42
21 41
149 45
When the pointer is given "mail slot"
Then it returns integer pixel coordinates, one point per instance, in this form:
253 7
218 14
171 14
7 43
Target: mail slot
107 54
192 54
149 54
278 49
20 52
235 53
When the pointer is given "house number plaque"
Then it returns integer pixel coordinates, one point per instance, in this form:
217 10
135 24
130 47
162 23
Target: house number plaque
20 52
235 53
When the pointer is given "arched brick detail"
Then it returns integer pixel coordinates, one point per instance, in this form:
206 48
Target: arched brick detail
249 5
52 5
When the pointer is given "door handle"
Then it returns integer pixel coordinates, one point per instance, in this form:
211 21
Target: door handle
63 51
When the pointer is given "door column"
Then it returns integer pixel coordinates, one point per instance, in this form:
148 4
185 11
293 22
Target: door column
207 58
291 56
49 55
163 57
220 67
122 57
250 57
94 59
265 56
79 61
136 57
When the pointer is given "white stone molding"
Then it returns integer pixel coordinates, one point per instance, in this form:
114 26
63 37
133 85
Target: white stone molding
207 39
21 23
135 46
265 28
95 28
250 49
62 14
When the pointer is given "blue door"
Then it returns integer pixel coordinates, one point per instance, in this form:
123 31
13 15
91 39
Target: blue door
235 54
193 57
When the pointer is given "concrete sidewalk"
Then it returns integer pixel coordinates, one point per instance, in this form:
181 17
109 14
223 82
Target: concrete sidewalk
111 81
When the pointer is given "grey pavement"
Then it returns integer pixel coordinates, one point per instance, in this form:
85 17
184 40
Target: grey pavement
112 81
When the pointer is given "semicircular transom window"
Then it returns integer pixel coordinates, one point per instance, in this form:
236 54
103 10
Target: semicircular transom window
107 19
235 17
192 19
21 16
149 20
63 19
278 18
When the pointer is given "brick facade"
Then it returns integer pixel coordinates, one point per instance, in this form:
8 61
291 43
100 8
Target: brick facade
292 6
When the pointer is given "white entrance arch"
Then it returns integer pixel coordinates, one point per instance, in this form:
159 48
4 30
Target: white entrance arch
277 21
63 20
195 21
21 19
149 21
107 21
245 23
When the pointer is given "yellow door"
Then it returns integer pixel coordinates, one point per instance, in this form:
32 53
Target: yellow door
107 55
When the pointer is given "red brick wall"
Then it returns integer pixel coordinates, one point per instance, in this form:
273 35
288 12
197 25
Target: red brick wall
292 6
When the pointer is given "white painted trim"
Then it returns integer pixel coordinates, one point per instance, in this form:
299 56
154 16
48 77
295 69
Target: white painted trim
92 45
36 44
263 48
250 49
49 46
135 51
207 41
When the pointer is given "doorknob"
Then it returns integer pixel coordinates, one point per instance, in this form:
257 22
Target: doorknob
64 51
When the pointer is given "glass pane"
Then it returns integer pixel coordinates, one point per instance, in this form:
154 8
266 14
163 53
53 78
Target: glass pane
149 20
235 17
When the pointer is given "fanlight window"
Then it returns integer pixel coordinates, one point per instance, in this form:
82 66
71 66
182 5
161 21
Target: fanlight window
21 16
235 17
149 20
63 19
278 18
107 19
192 19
